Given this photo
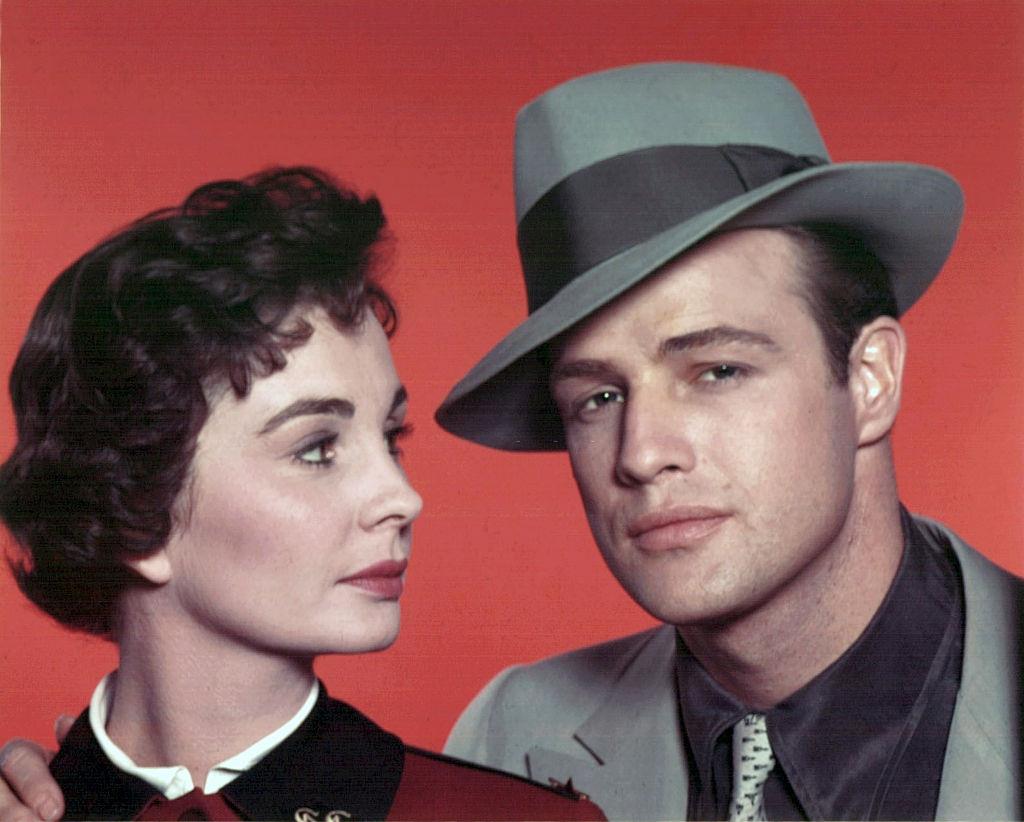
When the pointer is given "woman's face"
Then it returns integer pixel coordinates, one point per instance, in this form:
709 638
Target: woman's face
298 514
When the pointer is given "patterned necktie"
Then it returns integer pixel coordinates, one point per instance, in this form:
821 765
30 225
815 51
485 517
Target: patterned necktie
752 761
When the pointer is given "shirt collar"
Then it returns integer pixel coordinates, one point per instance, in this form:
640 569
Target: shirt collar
855 713
337 761
175 780
707 709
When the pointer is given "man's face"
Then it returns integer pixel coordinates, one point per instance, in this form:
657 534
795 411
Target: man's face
712 448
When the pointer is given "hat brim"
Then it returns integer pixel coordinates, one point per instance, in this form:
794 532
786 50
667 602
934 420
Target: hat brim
907 214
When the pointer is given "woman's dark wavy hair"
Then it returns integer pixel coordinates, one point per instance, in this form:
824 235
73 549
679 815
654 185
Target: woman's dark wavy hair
110 386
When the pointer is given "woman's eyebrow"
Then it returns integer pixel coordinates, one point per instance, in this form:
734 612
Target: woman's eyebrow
307 407
401 398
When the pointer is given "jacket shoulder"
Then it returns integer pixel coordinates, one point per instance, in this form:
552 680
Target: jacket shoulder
527 704
978 566
93 787
576 681
436 787
994 597
981 774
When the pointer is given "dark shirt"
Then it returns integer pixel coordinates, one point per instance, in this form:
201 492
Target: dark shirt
866 738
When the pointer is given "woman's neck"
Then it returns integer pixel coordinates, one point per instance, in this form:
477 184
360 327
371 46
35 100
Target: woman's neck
186 697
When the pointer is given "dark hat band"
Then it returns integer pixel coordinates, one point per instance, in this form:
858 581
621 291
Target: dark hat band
624 200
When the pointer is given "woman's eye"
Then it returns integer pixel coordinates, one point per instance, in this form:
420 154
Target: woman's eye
600 399
319 454
395 435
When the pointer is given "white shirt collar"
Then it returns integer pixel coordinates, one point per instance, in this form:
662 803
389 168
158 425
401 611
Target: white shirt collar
175 780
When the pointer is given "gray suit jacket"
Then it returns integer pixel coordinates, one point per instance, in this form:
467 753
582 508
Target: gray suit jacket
607 717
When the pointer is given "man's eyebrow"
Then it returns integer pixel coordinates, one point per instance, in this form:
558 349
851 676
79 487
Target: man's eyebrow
579 368
717 335
309 406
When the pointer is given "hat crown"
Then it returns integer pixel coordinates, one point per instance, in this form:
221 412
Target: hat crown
619 172
655 104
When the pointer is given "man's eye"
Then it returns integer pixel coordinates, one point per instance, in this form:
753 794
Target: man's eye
599 400
320 454
720 373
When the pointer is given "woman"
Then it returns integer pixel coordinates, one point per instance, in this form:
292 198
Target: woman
207 472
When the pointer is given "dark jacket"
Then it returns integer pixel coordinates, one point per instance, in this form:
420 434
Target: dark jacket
337 765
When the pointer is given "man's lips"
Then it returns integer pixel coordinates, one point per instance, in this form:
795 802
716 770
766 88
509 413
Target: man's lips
675 527
382 579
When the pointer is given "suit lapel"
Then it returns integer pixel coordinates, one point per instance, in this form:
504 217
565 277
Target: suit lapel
981 774
630 750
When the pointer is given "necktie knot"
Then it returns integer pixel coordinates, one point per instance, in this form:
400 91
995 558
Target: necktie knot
752 761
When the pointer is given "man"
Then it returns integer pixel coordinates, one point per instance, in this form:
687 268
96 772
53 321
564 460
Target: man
713 339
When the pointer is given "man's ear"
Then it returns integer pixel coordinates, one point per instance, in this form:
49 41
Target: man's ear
876 377
154 567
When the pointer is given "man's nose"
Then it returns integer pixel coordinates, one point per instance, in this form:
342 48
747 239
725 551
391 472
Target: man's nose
655 437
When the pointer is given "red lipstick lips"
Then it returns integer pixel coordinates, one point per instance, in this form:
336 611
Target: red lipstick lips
382 579
677 527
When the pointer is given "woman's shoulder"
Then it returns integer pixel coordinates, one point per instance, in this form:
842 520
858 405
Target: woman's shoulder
435 786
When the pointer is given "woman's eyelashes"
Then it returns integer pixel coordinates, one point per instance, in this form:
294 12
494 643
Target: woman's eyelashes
320 453
395 435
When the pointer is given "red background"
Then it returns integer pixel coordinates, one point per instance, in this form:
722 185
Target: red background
111 109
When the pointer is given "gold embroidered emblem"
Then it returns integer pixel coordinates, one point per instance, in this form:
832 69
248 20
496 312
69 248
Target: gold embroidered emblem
309 815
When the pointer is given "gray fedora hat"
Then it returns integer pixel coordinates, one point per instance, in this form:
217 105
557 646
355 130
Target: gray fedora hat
618 172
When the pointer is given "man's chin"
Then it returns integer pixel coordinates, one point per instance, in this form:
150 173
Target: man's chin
684 607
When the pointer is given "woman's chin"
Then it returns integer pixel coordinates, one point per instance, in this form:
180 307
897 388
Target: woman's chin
376 635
